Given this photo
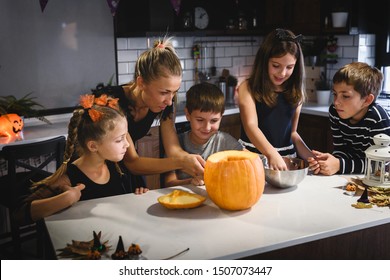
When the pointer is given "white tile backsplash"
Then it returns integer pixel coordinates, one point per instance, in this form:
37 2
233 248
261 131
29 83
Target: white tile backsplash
350 52
236 54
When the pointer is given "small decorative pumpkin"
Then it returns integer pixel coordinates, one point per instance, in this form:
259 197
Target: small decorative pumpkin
234 179
11 128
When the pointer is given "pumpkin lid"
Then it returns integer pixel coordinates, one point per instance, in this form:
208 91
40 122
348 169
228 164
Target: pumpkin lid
179 199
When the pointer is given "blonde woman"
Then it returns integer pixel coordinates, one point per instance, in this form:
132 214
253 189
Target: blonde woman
151 96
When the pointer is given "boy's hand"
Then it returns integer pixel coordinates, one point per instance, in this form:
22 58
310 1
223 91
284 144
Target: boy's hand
141 190
197 181
324 163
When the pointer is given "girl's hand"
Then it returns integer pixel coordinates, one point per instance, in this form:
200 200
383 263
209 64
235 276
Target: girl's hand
141 190
73 193
276 162
314 166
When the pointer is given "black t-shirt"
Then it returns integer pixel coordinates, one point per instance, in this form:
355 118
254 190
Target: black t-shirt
115 186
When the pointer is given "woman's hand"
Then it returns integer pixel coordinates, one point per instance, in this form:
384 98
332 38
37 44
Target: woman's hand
193 164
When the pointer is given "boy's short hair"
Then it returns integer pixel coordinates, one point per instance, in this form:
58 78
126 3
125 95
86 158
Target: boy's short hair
364 78
205 97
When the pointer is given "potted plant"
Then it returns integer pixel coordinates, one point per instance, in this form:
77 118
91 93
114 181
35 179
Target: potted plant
313 49
25 107
323 90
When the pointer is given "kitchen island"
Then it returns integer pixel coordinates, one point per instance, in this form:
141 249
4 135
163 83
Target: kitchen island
314 220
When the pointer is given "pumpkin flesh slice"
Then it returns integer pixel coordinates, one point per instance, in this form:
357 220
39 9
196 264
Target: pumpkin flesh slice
179 199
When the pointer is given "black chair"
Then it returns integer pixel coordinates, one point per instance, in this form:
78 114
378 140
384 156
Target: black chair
16 184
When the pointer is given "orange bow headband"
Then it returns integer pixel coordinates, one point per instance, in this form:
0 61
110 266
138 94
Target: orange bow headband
88 100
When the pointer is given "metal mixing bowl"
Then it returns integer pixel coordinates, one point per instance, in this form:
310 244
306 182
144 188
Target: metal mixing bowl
297 170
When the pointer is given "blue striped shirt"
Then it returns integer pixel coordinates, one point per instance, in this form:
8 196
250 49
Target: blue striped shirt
351 140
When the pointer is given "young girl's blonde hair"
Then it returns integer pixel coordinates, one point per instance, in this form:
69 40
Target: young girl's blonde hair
85 124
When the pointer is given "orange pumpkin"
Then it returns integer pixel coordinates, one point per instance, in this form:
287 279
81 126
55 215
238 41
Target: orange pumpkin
11 128
234 179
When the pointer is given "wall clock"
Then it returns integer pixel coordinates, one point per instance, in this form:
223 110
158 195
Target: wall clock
201 18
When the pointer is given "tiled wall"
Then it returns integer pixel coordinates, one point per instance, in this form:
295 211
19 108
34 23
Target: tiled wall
353 48
233 53
350 48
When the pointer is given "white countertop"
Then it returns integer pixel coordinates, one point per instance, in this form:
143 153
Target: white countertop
36 130
315 109
317 208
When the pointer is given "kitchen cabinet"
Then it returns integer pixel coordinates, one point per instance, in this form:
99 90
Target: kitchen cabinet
300 16
135 18
158 17
383 36
315 132
364 16
313 17
232 125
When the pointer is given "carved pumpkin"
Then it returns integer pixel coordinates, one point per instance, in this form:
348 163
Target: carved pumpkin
11 128
234 179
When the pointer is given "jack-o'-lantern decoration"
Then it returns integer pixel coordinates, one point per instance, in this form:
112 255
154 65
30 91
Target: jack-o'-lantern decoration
234 179
11 128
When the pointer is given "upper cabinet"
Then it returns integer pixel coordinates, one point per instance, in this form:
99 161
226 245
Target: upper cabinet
300 16
204 17
362 16
244 17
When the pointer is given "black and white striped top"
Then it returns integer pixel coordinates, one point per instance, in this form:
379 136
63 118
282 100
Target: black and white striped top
351 140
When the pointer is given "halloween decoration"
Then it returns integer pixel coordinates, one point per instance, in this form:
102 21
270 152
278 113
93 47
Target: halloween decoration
120 253
11 128
92 249
377 162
